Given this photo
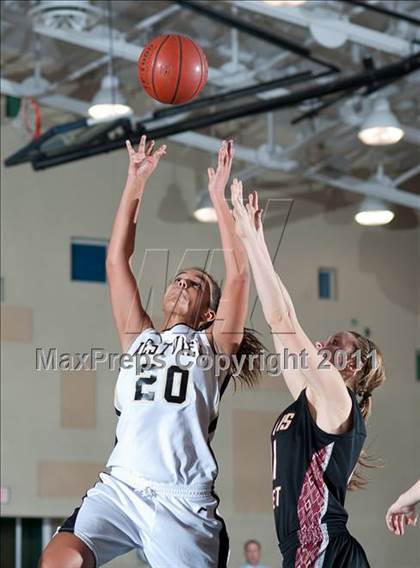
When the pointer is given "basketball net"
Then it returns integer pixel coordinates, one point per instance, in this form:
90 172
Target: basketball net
29 120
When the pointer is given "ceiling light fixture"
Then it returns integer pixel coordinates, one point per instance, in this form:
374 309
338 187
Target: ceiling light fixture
381 127
374 212
109 103
205 212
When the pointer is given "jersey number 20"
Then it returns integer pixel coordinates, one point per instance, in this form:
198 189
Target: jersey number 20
172 375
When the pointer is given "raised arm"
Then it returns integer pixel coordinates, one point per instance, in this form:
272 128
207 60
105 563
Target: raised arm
227 330
129 315
322 379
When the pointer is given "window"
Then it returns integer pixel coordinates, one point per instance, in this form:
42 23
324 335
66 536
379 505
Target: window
88 259
327 283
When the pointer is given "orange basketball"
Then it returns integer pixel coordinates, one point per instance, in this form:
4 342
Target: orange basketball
172 69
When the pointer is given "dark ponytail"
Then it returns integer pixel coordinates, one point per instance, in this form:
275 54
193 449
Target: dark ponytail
250 373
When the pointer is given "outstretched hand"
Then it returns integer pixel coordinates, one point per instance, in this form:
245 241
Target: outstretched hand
398 516
247 217
144 161
219 178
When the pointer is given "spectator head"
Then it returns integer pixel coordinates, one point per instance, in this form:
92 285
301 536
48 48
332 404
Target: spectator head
252 550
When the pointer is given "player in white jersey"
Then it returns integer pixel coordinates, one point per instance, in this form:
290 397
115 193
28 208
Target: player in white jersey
157 495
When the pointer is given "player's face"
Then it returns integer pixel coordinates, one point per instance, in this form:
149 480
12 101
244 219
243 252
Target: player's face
339 347
188 294
252 554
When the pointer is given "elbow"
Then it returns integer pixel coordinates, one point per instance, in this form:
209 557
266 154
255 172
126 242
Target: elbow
280 322
113 265
116 260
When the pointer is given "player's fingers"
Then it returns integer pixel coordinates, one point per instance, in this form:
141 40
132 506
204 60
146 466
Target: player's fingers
231 149
234 188
258 221
210 173
239 195
149 147
160 152
256 199
142 144
129 147
234 191
394 524
388 521
240 191
397 524
220 154
401 524
228 158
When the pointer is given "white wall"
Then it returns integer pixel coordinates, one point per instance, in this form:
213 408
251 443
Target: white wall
379 284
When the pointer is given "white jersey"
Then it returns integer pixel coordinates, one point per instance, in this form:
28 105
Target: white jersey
168 413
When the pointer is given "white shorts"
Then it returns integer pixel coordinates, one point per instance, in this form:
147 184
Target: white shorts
174 526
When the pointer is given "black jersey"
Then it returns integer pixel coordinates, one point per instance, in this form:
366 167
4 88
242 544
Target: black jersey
311 469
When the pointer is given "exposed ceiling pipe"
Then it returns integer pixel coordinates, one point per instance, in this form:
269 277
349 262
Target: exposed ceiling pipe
380 9
258 156
147 23
237 93
369 188
256 31
353 32
407 175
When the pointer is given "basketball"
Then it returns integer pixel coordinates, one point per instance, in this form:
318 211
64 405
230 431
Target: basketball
172 69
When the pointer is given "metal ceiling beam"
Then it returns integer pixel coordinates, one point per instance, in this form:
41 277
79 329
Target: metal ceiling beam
255 31
380 9
121 48
369 188
235 94
61 102
407 175
305 18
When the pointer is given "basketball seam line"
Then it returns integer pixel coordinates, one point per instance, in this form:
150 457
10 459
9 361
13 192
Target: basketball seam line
179 70
154 64
201 71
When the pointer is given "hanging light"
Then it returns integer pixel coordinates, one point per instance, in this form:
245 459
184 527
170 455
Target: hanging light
381 127
374 212
205 212
109 102
285 2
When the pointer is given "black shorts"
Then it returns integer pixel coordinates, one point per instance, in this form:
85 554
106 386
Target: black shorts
343 551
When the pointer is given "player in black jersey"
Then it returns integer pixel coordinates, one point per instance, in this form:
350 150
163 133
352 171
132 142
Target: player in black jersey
317 440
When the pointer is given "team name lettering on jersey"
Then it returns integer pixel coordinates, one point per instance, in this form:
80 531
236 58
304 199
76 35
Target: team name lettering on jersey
276 496
285 422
